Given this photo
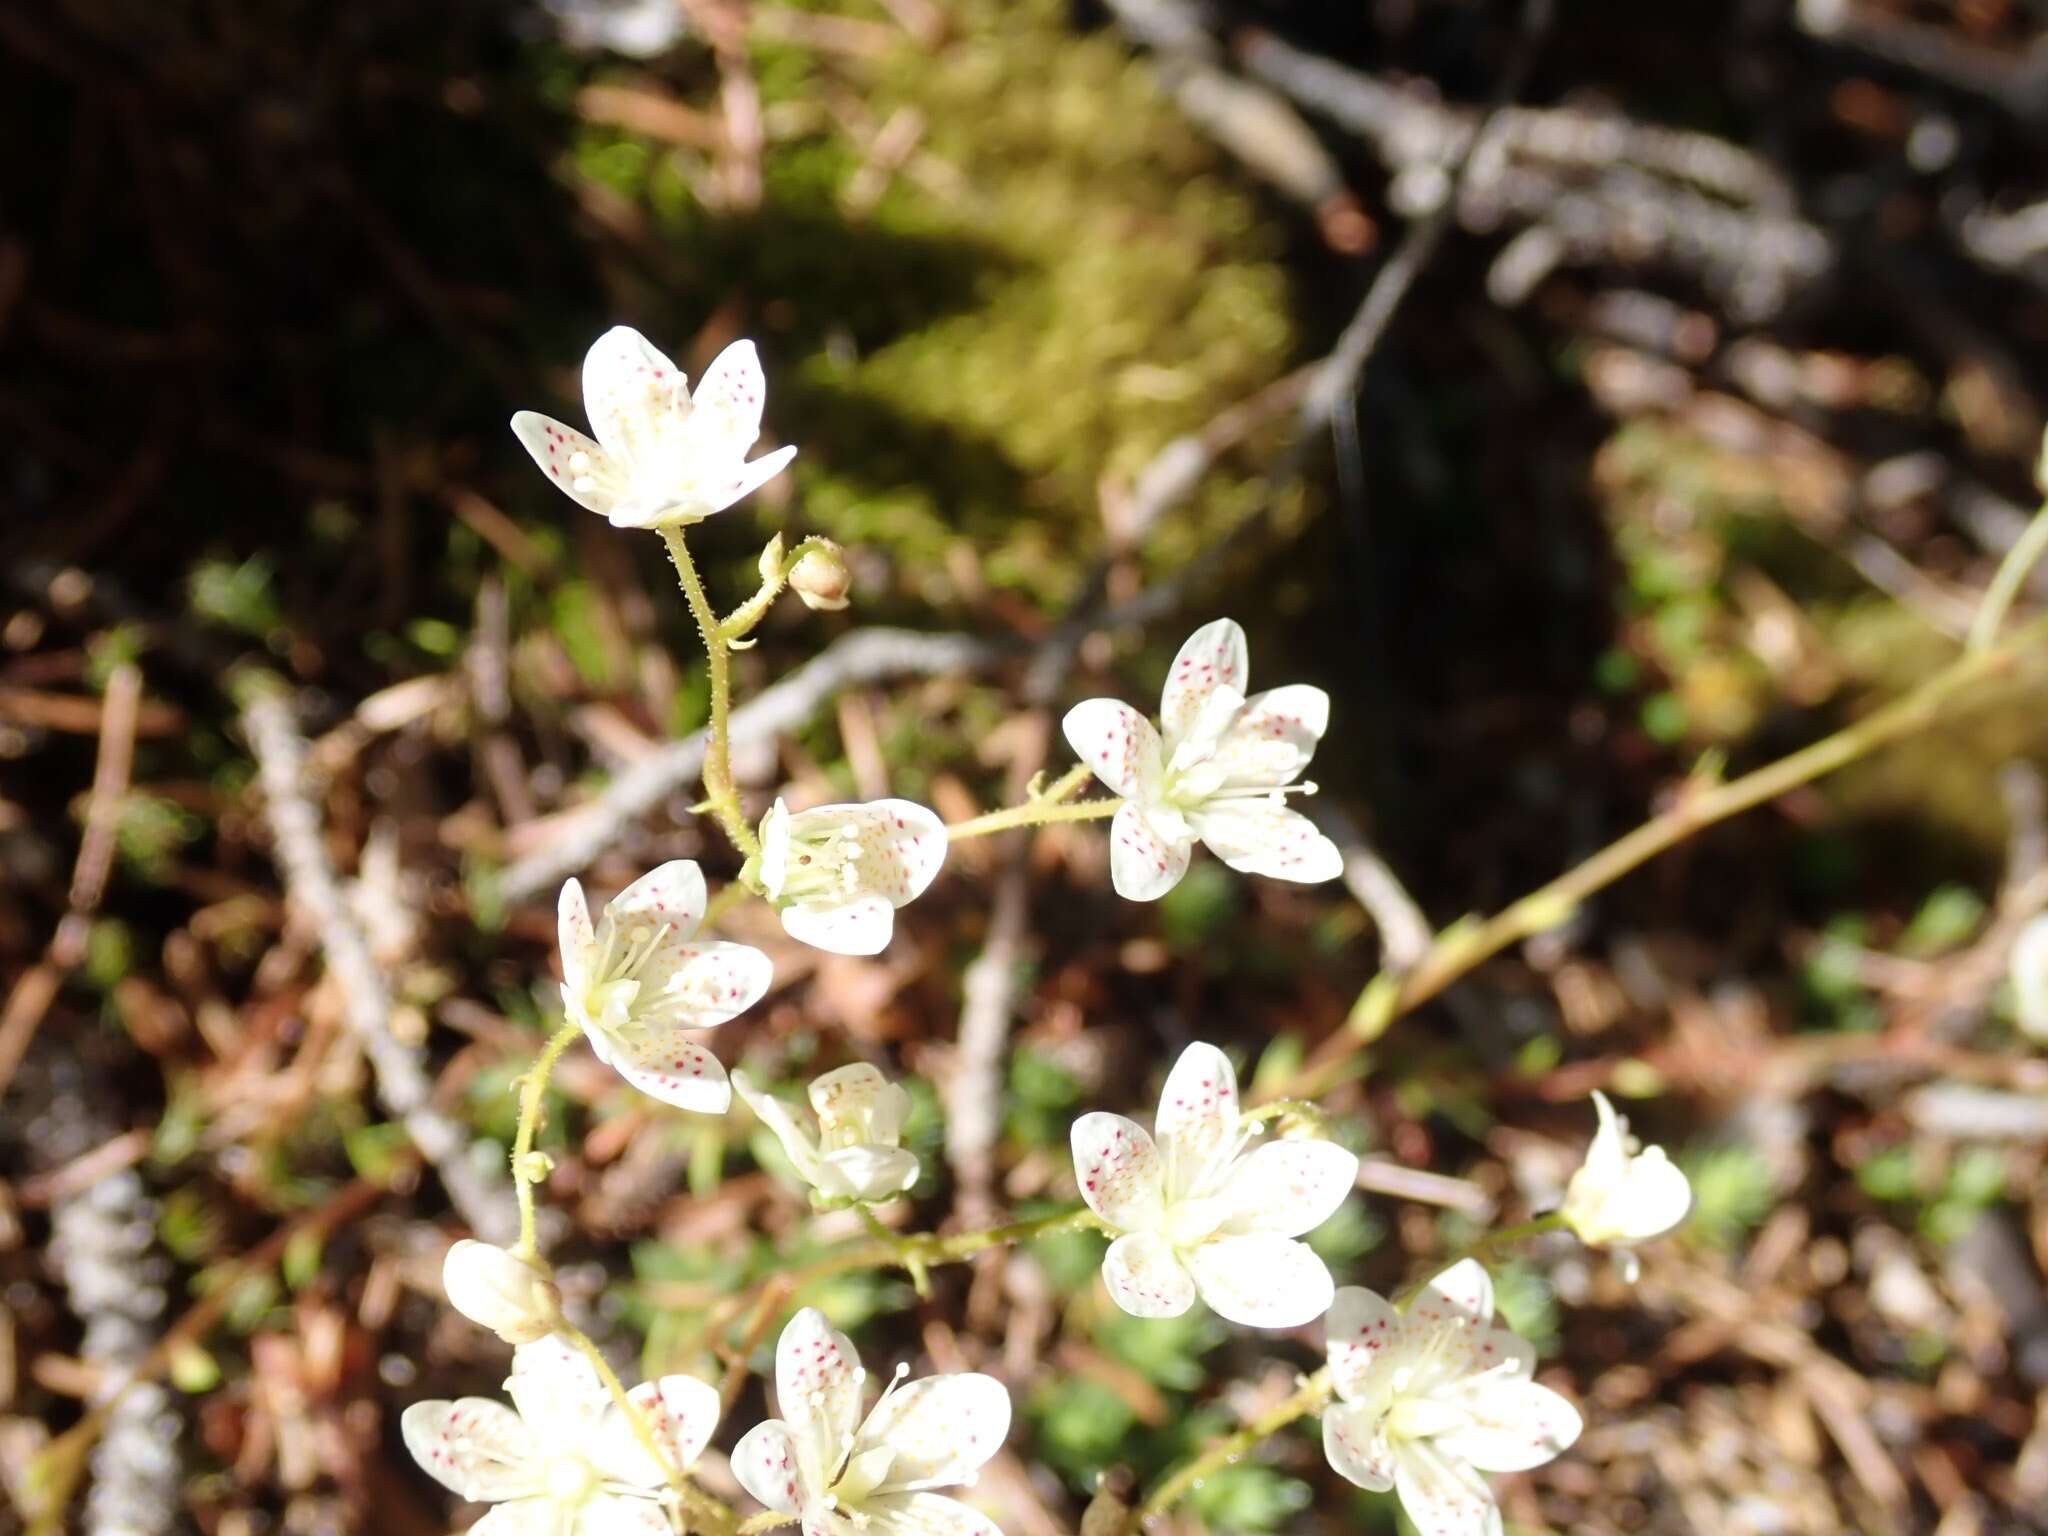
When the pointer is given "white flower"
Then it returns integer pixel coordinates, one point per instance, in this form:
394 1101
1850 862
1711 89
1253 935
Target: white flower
567 1461
1621 1196
1198 1215
500 1291
1220 773
838 873
840 1474
855 1155
637 980
2030 977
662 457
1434 1397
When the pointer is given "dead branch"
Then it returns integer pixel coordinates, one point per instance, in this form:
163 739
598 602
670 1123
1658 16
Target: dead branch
402 1083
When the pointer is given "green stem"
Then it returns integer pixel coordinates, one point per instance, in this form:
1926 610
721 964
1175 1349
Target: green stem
701 1511
740 623
532 1094
728 897
2019 561
1032 813
1463 946
1311 1398
718 786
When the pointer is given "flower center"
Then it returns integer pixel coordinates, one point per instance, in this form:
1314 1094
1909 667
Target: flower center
570 1481
1420 1418
823 865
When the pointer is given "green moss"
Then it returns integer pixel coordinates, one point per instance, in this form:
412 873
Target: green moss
1062 280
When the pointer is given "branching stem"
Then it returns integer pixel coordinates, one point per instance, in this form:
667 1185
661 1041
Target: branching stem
532 1098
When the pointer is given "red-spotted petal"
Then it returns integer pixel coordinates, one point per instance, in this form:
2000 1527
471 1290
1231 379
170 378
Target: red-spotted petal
725 411
927 1514
665 1066
1355 1444
1198 1108
818 1380
1264 837
1143 865
1513 1424
1272 737
1117 1166
1213 656
631 392
475 1448
766 1464
577 935
671 893
1146 1277
580 468
1290 1187
1361 1329
1119 745
1443 1495
939 1430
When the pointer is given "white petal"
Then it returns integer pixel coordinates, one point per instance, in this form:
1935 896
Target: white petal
473 1447
818 1380
1273 737
927 1514
862 926
1118 744
940 1429
774 834
702 983
745 480
1459 1297
796 1139
1356 1446
1515 1424
1198 1109
1117 1166
1214 655
671 893
537 1516
1143 865
1361 1327
725 411
1264 837
1262 1280
765 1462
557 1392
1290 1187
606 1514
596 482
1146 1277
1444 1497
629 391
682 1411
577 937
866 1172
665 1066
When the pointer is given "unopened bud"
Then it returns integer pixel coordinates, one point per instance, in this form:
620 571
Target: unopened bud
500 1291
771 559
821 578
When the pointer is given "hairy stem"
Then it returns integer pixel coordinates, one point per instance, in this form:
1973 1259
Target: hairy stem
2012 572
1313 1395
1032 813
1459 949
701 1511
723 799
532 1093
775 574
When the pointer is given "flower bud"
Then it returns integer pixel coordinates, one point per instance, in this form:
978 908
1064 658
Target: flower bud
1624 1193
821 578
500 1291
771 559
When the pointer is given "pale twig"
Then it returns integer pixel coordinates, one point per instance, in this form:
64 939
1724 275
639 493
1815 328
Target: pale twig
401 1079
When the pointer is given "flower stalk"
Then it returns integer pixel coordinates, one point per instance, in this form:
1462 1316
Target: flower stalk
720 795
529 1168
